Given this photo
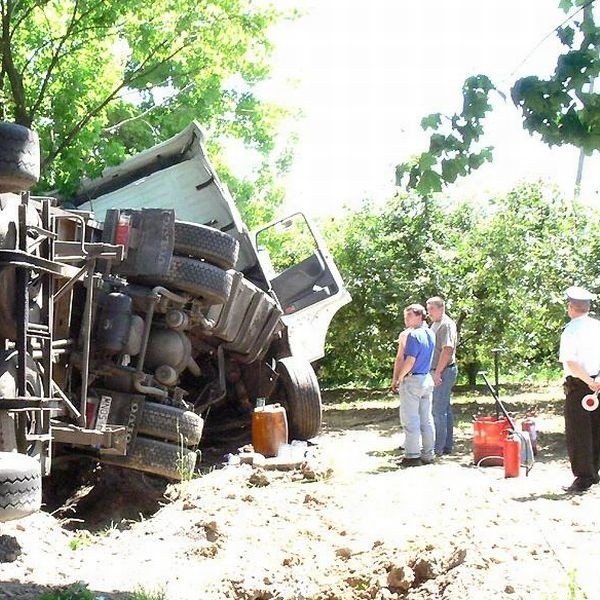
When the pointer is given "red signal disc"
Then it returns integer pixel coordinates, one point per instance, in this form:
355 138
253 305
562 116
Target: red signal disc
590 402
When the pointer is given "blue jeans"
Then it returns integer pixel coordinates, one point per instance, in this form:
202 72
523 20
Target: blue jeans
442 411
415 413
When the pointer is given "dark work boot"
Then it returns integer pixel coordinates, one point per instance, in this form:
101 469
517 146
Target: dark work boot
410 462
581 484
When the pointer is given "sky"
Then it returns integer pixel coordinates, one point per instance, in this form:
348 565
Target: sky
364 73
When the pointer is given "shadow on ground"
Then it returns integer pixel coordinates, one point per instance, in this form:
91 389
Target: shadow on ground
377 411
84 495
21 591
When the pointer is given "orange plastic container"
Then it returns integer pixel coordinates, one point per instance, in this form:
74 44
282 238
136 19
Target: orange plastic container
489 434
269 429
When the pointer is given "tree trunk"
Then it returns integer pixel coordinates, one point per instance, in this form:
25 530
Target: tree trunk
472 368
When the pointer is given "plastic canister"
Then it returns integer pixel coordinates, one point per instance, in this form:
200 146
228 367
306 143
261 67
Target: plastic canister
512 455
269 429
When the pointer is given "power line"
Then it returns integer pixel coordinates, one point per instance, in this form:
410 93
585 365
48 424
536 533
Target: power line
550 33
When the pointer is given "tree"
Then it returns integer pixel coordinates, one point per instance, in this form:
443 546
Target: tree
509 270
382 254
502 266
562 109
100 80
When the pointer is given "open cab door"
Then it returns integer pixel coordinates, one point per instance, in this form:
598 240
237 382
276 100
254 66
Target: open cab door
306 281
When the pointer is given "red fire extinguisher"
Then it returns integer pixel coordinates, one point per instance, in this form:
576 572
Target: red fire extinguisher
512 455
528 425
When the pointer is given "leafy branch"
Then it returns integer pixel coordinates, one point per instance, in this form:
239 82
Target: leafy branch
142 115
144 68
451 155
559 109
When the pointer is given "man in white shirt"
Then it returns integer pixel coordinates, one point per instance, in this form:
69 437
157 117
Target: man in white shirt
580 356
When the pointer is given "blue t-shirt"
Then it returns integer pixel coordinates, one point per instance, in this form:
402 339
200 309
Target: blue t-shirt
420 344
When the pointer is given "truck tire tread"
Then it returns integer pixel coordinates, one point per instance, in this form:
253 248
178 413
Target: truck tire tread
200 241
159 458
20 485
19 158
196 277
298 391
171 423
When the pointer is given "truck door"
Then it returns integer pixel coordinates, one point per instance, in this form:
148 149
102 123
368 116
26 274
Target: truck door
304 278
298 266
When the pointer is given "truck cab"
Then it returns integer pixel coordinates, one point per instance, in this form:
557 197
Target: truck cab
177 174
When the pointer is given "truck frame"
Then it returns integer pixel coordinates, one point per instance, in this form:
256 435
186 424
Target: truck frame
147 319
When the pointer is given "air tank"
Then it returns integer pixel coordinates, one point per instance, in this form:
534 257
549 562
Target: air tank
114 322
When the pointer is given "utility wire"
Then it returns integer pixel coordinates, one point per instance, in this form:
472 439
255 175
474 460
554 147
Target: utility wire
534 49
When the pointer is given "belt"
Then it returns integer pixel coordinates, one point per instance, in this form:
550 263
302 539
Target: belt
446 367
410 374
571 377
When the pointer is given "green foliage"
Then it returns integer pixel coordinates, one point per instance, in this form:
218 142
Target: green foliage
141 594
382 255
502 266
287 242
75 591
562 109
509 274
558 108
80 591
102 80
81 539
455 153
185 472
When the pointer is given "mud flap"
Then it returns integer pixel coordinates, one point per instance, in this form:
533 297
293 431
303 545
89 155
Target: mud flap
123 409
149 242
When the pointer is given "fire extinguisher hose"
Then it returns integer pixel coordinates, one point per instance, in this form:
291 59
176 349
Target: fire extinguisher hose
526 443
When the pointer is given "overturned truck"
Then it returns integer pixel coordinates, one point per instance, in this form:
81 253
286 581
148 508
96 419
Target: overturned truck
144 319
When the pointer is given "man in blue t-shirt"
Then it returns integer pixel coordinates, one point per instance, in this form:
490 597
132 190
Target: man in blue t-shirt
415 386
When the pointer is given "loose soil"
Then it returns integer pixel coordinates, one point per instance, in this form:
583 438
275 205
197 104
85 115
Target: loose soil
345 523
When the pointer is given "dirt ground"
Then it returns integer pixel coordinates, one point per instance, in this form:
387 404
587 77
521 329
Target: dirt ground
346 523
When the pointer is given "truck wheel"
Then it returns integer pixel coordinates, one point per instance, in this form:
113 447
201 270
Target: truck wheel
20 486
151 456
200 241
19 158
170 423
196 277
298 391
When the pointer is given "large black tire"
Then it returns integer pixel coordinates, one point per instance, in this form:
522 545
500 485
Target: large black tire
298 391
19 158
201 241
199 278
151 456
170 423
20 486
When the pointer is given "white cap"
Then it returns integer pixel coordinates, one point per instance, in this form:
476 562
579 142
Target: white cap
579 293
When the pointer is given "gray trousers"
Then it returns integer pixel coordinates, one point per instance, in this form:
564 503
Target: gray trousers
415 414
